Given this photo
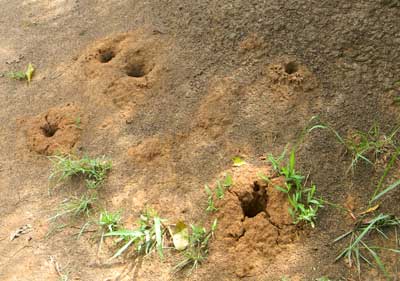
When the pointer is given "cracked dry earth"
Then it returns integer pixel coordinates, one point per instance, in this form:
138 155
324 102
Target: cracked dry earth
254 221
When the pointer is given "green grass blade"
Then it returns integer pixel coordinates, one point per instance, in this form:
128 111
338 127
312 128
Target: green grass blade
386 171
367 229
316 127
281 189
365 259
158 230
357 257
364 158
377 260
122 249
389 188
292 161
343 236
125 233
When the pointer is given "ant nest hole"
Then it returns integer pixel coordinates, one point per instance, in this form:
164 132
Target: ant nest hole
49 130
254 202
138 68
106 56
291 67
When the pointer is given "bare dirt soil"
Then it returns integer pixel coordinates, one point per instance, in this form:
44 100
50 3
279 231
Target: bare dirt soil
171 91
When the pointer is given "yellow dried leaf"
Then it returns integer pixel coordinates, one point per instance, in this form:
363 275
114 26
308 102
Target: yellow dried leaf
180 236
370 210
29 72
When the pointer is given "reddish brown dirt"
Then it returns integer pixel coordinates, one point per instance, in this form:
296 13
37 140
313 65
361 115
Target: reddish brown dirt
254 221
55 131
122 68
170 91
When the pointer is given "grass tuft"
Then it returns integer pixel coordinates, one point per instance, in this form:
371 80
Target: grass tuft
197 250
76 207
303 203
66 166
109 221
358 249
148 236
366 147
369 146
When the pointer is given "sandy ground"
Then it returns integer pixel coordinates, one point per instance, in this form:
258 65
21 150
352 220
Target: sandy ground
170 91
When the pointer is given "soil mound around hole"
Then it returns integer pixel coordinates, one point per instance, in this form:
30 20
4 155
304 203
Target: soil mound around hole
253 221
237 106
123 67
106 55
57 130
289 72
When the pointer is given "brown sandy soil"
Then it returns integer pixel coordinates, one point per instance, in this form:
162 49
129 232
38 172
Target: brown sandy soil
170 91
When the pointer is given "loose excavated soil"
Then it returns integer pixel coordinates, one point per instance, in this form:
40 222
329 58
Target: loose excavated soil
56 131
170 92
124 67
254 222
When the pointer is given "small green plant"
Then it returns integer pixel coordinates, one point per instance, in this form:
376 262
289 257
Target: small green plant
109 221
365 146
368 146
223 186
210 200
220 189
147 237
303 203
306 211
358 249
76 206
197 249
23 75
93 170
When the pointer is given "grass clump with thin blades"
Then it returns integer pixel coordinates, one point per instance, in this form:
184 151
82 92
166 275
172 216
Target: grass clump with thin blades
367 146
109 221
359 249
148 236
304 204
93 170
77 206
197 250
